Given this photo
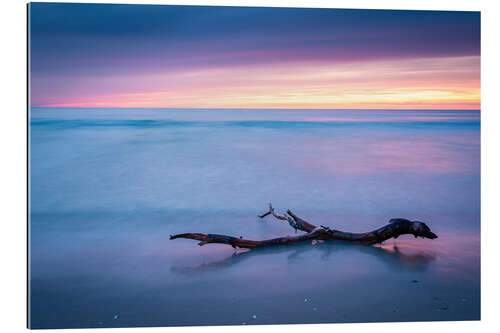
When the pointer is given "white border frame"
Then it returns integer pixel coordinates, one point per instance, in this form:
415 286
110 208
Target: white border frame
13 163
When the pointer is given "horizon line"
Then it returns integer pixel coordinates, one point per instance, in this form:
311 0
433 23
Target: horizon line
244 108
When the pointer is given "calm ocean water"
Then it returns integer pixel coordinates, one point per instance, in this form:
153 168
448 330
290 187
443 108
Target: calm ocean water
108 187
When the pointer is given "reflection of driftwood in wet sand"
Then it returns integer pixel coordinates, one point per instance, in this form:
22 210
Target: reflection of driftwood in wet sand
390 255
394 229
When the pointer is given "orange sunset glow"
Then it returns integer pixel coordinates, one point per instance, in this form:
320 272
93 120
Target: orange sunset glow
439 83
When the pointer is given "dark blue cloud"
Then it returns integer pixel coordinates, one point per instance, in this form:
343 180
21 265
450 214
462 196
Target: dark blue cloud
88 38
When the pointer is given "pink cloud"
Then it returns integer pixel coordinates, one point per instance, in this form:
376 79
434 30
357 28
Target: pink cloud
406 83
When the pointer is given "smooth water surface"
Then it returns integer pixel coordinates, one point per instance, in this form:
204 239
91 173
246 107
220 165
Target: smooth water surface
108 187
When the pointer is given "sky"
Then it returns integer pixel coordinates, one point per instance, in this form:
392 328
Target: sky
95 55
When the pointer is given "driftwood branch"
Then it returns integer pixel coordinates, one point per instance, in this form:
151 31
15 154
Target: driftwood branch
395 228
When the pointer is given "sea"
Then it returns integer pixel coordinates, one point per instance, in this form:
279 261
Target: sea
107 187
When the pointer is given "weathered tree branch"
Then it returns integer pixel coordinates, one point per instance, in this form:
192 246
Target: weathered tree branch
394 229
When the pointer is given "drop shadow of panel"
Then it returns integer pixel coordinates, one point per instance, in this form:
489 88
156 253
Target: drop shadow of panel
395 257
